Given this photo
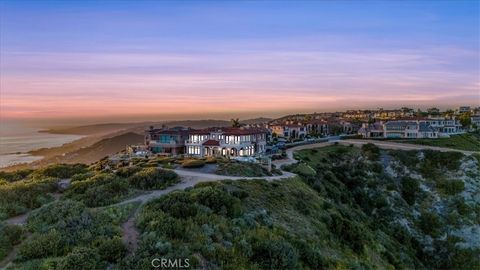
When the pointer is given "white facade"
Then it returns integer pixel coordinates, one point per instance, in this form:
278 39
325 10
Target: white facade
227 142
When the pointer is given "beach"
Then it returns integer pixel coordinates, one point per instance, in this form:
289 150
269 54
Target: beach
16 141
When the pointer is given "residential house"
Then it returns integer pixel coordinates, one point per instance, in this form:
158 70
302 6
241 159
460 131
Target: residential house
168 141
445 126
409 129
464 109
475 120
412 128
317 127
374 130
289 130
226 141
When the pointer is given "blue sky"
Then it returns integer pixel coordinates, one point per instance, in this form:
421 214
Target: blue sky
303 56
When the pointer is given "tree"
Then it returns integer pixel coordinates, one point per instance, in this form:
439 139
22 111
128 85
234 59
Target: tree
465 120
433 111
235 122
449 113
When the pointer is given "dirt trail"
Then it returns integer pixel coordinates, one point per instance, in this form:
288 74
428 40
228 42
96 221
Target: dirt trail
130 234
7 260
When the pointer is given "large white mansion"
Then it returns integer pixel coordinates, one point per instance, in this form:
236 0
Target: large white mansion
226 142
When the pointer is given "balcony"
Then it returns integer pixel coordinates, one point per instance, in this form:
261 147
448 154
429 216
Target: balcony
223 143
155 143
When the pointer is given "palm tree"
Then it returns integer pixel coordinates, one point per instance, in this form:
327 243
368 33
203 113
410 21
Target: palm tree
235 123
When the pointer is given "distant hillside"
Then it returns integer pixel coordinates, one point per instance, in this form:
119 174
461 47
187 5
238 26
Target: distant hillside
199 123
139 127
102 148
94 129
259 120
94 152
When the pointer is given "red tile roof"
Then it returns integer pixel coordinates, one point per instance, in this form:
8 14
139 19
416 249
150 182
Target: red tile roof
212 143
231 131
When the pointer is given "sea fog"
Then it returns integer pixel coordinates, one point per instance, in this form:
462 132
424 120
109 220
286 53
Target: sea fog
17 139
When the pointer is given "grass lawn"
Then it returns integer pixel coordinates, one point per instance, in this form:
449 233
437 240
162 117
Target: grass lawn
316 155
467 141
242 169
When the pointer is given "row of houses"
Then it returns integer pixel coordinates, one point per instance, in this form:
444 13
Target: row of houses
223 141
378 114
252 140
412 128
382 114
300 129
238 141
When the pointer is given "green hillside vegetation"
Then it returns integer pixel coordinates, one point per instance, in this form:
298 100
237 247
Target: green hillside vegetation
67 235
242 169
25 190
361 208
467 141
358 210
10 235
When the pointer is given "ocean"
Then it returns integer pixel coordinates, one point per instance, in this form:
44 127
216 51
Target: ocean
16 140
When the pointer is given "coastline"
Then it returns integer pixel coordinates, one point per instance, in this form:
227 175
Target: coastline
35 148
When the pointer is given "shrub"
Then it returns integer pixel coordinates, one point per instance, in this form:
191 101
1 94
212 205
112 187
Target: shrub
193 163
18 197
273 253
10 235
371 151
436 160
246 169
153 178
112 250
82 176
81 258
450 187
43 245
50 214
410 187
62 170
430 223
100 190
211 160
15 176
126 172
219 201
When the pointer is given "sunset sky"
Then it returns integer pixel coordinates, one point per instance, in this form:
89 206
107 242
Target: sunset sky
109 60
